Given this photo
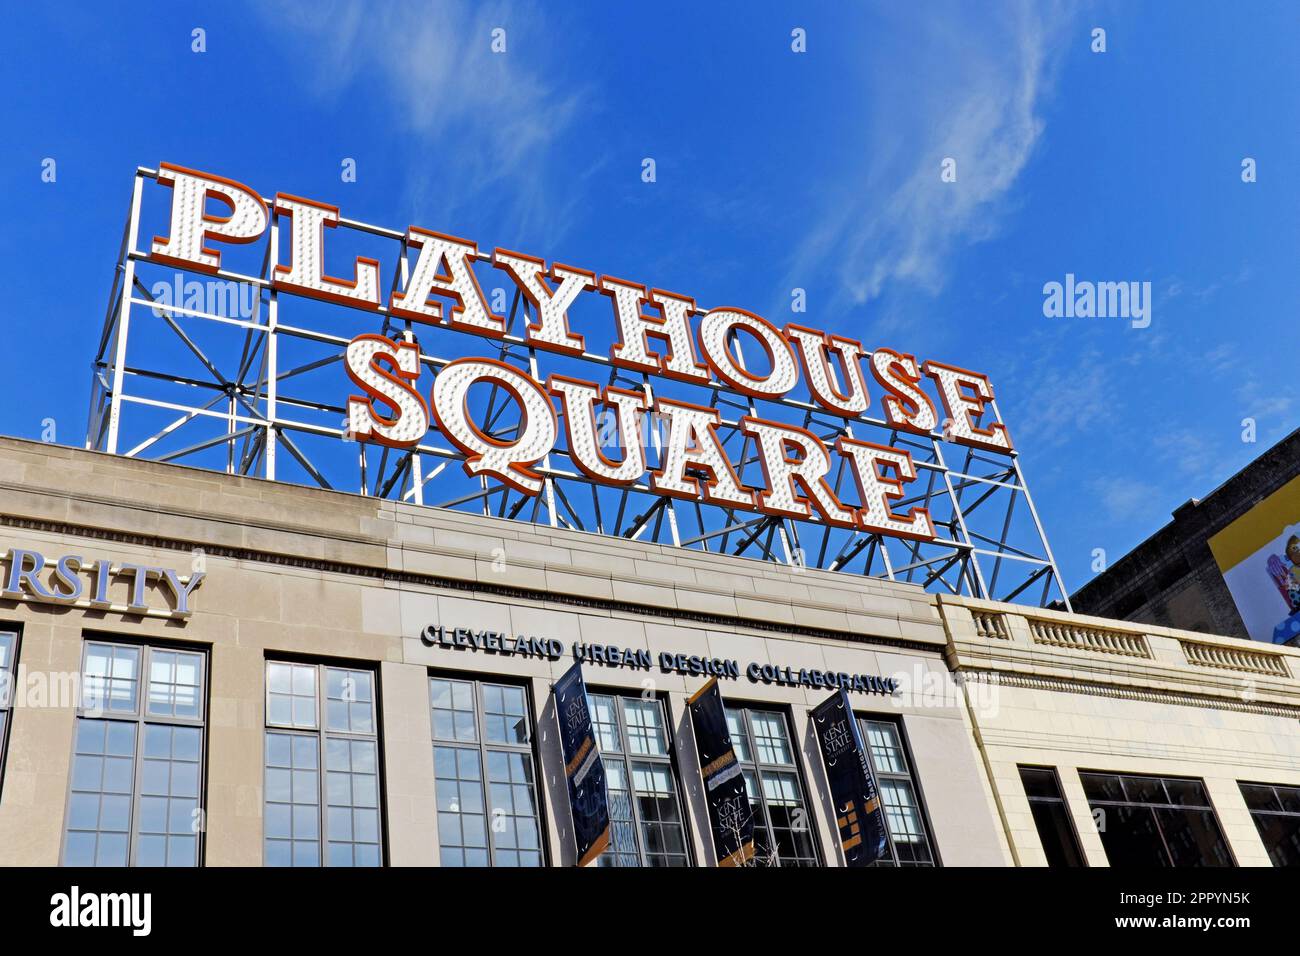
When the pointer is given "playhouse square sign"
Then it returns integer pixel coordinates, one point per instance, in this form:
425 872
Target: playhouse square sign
655 332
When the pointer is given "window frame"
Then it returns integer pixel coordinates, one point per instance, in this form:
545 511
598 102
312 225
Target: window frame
480 743
321 735
1209 805
1065 804
14 631
139 718
800 772
1254 814
911 777
626 757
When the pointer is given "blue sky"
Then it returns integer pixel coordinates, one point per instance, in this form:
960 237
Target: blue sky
775 170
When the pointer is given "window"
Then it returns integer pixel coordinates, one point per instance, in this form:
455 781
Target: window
8 656
1276 812
783 827
135 794
1155 821
644 809
300 734
1051 816
909 840
486 783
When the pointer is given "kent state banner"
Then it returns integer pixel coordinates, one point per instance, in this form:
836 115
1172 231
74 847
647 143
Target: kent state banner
582 766
858 813
730 814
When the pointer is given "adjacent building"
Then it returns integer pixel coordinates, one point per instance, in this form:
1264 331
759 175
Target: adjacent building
1175 578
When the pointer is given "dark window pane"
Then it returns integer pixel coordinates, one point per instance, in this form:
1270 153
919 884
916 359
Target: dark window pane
1040 782
1151 832
1260 798
1144 790
1186 793
1131 837
1102 786
1056 833
1051 817
1194 838
1288 798
1281 835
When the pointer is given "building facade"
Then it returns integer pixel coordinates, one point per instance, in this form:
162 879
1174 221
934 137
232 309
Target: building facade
210 669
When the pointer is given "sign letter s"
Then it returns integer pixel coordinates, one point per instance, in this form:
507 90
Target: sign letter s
386 371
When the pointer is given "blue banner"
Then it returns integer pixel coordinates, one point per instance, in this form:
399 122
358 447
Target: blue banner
588 800
730 815
858 813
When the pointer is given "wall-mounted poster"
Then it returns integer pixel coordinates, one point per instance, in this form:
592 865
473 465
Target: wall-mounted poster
1259 555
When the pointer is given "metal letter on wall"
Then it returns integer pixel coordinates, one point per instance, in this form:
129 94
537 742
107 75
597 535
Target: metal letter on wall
588 800
858 813
730 815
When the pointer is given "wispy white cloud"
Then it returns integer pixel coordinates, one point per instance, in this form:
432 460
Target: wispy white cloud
1124 498
957 83
488 118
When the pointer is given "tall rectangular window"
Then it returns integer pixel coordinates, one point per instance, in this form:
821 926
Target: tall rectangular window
1051 817
1155 821
485 775
1276 812
135 796
644 808
909 838
322 766
8 665
783 823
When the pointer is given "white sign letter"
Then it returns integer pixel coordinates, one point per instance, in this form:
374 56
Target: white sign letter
579 399
783 470
906 406
635 327
191 223
391 386
550 326
877 491
693 443
457 282
507 461
715 332
823 381
306 270
963 407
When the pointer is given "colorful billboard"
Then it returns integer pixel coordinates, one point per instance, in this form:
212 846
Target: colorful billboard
1259 555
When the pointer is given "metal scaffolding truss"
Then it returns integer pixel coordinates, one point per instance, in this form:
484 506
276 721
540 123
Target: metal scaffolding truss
263 394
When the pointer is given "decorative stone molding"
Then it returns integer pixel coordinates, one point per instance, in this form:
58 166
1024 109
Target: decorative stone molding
991 624
1234 659
1090 639
1087 688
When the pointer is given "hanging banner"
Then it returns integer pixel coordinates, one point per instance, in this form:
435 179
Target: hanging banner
858 812
582 766
730 815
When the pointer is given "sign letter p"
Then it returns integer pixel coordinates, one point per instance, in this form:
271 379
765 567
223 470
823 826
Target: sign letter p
192 224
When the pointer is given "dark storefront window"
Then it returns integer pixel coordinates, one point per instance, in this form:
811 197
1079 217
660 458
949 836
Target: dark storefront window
644 809
909 839
322 766
486 779
1276 812
135 794
1051 817
8 656
1155 821
783 823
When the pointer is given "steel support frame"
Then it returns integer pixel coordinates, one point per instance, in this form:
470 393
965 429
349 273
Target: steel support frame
990 542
